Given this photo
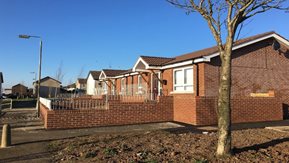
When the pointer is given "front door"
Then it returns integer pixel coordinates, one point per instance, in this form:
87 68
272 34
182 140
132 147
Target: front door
155 86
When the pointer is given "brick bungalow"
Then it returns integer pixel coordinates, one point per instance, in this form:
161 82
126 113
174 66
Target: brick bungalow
19 90
185 88
259 67
109 82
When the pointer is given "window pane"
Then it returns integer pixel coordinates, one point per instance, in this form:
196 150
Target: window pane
139 81
188 76
122 84
179 88
178 77
189 88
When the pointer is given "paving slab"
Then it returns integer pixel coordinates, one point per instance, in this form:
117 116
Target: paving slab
30 139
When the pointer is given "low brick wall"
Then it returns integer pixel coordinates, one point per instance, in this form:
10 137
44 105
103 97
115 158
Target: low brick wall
203 110
185 108
118 113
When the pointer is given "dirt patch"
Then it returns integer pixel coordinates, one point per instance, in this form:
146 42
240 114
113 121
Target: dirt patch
252 145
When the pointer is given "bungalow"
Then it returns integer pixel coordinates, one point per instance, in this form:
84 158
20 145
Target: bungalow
80 84
92 82
19 90
260 89
108 81
7 91
49 87
260 67
70 87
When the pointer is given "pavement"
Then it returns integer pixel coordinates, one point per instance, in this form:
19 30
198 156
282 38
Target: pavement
30 140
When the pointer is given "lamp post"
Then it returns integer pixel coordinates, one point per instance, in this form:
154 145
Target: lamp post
39 69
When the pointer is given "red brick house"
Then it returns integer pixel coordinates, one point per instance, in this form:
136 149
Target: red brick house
20 90
185 88
109 83
260 67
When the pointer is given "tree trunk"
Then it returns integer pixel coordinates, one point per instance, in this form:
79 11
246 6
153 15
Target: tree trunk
224 110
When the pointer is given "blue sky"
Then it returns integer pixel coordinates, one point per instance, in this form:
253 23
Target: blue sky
95 34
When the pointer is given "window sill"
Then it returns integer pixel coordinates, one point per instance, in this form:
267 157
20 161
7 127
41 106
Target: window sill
182 92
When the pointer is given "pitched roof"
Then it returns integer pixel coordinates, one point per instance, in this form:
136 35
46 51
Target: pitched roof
214 49
156 61
1 78
113 72
81 81
71 85
162 61
47 78
19 85
126 72
95 74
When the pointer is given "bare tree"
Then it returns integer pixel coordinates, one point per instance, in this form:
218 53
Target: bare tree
81 71
224 18
59 74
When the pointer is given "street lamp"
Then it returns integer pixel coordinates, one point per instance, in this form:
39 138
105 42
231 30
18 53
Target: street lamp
39 69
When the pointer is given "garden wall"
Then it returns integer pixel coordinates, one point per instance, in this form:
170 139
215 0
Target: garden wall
203 110
118 113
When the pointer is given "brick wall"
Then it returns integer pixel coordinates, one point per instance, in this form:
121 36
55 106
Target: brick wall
185 108
117 114
255 69
195 110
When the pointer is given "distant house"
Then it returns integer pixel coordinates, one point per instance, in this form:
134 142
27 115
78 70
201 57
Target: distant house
81 84
49 87
7 91
1 81
20 90
70 87
92 82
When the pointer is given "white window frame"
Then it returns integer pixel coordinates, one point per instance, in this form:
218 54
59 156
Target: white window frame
113 87
123 86
182 69
104 87
139 84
